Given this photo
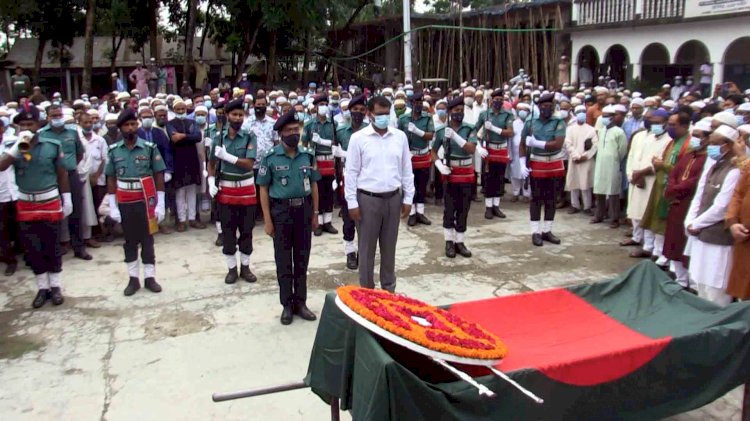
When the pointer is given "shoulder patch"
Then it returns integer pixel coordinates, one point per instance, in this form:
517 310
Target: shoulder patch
263 170
149 144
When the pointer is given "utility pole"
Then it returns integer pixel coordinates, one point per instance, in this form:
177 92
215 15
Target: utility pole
407 41
461 40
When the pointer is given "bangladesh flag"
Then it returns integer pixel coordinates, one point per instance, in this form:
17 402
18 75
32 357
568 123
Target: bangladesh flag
635 347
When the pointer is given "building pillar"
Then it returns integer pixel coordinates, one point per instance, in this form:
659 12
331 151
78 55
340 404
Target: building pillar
68 90
637 71
718 75
574 73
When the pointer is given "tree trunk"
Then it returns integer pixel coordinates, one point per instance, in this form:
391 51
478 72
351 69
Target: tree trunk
271 60
245 51
153 31
205 27
115 48
88 53
189 40
306 62
38 60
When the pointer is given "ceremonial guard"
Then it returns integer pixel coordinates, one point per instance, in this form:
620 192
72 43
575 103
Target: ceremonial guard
135 183
542 142
358 110
213 130
454 161
420 130
288 184
231 181
44 199
319 136
498 129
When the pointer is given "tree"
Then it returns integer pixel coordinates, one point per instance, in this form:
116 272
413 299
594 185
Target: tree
190 39
123 19
88 54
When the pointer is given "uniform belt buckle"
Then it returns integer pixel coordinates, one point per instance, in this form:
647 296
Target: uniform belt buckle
296 202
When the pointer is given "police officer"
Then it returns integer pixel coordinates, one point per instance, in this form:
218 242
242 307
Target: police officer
73 150
288 184
44 200
135 183
319 135
498 129
358 110
458 145
231 182
420 130
213 130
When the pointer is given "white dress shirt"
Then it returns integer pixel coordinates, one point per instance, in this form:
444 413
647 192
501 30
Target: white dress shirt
378 164
97 149
8 187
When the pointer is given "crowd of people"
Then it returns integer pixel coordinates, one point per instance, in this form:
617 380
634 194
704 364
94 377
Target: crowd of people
671 167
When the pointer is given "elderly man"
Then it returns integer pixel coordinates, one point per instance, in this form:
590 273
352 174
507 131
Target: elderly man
185 135
151 133
635 121
581 143
611 150
593 113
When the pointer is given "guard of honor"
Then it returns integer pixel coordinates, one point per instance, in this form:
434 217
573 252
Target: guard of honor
135 183
452 153
288 181
231 182
542 143
420 130
320 135
44 199
213 130
358 110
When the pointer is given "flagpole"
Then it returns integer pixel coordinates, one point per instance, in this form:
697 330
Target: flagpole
407 41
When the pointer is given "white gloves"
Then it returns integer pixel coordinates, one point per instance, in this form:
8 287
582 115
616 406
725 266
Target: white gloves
338 151
448 133
482 151
221 153
320 141
414 129
533 143
114 211
334 184
13 151
491 127
525 171
205 170
451 134
212 189
159 211
67 205
442 167
167 177
207 142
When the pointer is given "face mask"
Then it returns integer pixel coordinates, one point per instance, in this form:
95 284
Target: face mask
442 113
87 130
347 115
409 93
581 118
657 129
564 114
200 120
260 110
6 121
301 116
180 116
381 121
273 103
42 115
400 111
221 119
357 117
97 125
292 140
323 110
129 136
293 102
523 114
457 117
236 126
714 152
545 112
334 105
695 143
208 104
647 125
57 122
469 101
388 97
606 121
497 104
147 123
672 133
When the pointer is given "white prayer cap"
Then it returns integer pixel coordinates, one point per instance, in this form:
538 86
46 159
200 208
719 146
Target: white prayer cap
177 101
143 102
201 108
399 102
408 86
745 128
281 100
609 109
142 109
344 102
727 132
703 125
580 95
580 109
43 104
400 94
745 106
161 108
726 118
619 108
698 104
526 92
161 96
93 112
78 102
665 86
111 117
67 112
576 102
638 101
637 94
188 102
386 91
244 75
122 95
522 106
248 97
669 104
292 95
463 85
601 90
747 91
425 105
114 74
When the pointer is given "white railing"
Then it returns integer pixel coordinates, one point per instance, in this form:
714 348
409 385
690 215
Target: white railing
663 9
602 12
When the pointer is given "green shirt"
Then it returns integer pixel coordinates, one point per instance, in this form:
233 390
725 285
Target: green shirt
70 142
345 133
325 130
142 161
244 145
454 151
40 173
502 120
424 123
286 177
545 131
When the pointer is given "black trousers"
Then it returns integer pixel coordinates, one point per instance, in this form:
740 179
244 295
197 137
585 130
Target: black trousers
40 240
325 194
421 179
438 184
7 228
135 231
74 219
350 227
457 204
291 245
544 193
170 198
494 184
611 203
234 219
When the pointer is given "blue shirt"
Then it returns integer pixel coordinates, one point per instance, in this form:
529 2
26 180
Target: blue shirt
632 125
160 139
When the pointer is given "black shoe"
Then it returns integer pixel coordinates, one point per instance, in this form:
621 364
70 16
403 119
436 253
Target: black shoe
588 212
219 241
536 239
327 227
573 211
412 220
41 297
421 219
247 274
56 296
11 269
151 285
450 249
352 262
462 250
232 276
287 315
83 255
304 313
550 238
497 212
133 285
318 231
488 213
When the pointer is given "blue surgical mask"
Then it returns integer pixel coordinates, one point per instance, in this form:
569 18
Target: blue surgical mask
180 116
97 125
301 116
606 121
208 104
381 121
581 118
657 129
442 113
200 120
409 93
714 152
695 143
147 123
57 122
523 114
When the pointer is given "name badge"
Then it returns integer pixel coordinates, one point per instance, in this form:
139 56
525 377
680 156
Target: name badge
307 185
282 168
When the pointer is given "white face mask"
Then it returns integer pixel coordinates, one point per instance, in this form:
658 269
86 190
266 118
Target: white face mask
469 101
323 110
564 114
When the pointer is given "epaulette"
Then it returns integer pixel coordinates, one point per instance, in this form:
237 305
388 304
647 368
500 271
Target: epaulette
149 144
115 145
48 140
470 126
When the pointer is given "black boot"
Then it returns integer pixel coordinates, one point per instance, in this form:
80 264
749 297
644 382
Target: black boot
318 232
536 239
488 213
247 274
352 261
327 227
231 276
41 297
286 315
56 296
151 285
462 250
219 241
450 249
421 219
412 220
550 238
497 212
303 312
133 285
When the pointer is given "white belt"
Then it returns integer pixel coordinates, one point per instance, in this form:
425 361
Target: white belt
38 197
556 157
129 185
324 157
239 183
497 146
420 152
461 162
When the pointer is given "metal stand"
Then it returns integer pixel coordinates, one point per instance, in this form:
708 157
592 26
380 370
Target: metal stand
221 397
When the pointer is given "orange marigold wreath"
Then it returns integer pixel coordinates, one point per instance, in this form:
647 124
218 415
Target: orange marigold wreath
443 332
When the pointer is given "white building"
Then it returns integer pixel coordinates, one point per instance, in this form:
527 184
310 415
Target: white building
656 40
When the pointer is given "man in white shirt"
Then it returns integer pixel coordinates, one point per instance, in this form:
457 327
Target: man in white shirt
8 196
379 188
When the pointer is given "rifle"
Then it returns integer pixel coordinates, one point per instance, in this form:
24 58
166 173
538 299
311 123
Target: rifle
485 141
337 167
217 173
528 150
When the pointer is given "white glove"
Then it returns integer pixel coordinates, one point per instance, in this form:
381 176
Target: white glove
320 141
221 153
207 141
414 129
13 151
334 184
525 171
114 211
442 167
532 142
338 151
460 141
449 133
482 151
491 127
212 189
205 170
159 211
167 177
67 205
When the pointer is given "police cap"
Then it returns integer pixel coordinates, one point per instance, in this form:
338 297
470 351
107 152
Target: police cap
455 102
320 98
357 100
288 118
126 116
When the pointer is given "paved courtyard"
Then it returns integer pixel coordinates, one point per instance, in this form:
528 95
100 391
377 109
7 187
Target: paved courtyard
161 356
